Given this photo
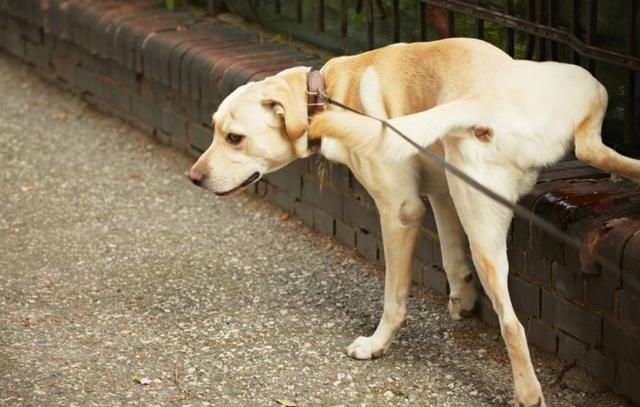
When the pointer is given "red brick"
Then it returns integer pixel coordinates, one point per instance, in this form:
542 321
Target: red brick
631 264
487 314
577 321
602 367
324 223
200 136
542 335
339 175
304 212
621 343
538 269
367 245
322 196
629 308
355 212
628 381
424 247
572 350
565 282
282 200
435 278
345 233
287 180
525 296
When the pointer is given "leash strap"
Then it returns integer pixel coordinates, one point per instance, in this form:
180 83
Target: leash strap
516 208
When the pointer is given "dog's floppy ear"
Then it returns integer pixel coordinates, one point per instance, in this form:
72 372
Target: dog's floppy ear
279 94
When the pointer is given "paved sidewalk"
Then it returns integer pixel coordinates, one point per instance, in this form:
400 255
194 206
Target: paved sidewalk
113 266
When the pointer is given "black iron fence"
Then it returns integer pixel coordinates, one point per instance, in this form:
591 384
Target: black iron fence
600 35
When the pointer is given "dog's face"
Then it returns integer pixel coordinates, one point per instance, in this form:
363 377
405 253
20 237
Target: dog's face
257 129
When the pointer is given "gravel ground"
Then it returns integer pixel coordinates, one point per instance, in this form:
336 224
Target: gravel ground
113 266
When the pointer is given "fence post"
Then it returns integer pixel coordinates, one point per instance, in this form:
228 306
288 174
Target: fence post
216 6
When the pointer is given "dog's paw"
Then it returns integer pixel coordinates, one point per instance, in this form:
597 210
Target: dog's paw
366 347
529 397
538 402
464 303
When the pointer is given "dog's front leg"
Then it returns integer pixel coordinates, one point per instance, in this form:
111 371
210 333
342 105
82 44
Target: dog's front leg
400 220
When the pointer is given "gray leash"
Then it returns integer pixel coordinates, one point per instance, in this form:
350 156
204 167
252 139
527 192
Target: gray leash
516 208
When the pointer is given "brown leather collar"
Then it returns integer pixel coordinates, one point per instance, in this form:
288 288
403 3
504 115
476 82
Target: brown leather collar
315 87
315 101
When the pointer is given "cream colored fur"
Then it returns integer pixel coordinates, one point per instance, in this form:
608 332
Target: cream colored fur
498 119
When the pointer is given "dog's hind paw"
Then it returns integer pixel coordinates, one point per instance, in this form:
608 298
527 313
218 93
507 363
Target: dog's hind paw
366 347
539 403
531 397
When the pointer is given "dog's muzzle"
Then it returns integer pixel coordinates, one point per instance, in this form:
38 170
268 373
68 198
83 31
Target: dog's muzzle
253 178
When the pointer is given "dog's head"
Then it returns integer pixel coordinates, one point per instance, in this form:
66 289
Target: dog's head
258 128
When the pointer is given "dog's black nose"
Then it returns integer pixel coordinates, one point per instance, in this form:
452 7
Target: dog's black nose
196 177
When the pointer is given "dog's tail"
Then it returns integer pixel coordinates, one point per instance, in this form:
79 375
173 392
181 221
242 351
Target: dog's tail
590 148
423 128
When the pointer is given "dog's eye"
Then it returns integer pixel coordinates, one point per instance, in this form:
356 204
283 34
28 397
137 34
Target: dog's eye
234 139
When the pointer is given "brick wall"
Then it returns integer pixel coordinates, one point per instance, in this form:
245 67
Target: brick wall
166 73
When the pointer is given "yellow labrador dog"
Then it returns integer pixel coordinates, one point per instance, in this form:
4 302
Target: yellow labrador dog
498 119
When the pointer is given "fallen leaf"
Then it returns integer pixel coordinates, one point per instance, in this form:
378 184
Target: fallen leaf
145 381
62 116
176 375
278 38
284 216
287 403
27 188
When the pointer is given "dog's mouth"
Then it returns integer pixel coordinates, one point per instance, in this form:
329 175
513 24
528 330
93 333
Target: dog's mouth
253 178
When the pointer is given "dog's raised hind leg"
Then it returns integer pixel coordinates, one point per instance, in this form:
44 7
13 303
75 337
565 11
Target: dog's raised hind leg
424 128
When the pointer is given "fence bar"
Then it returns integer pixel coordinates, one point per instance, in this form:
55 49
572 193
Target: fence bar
422 20
510 45
630 90
298 8
549 33
575 27
216 6
321 16
370 27
541 42
552 14
479 24
531 39
592 28
343 18
395 16
451 24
